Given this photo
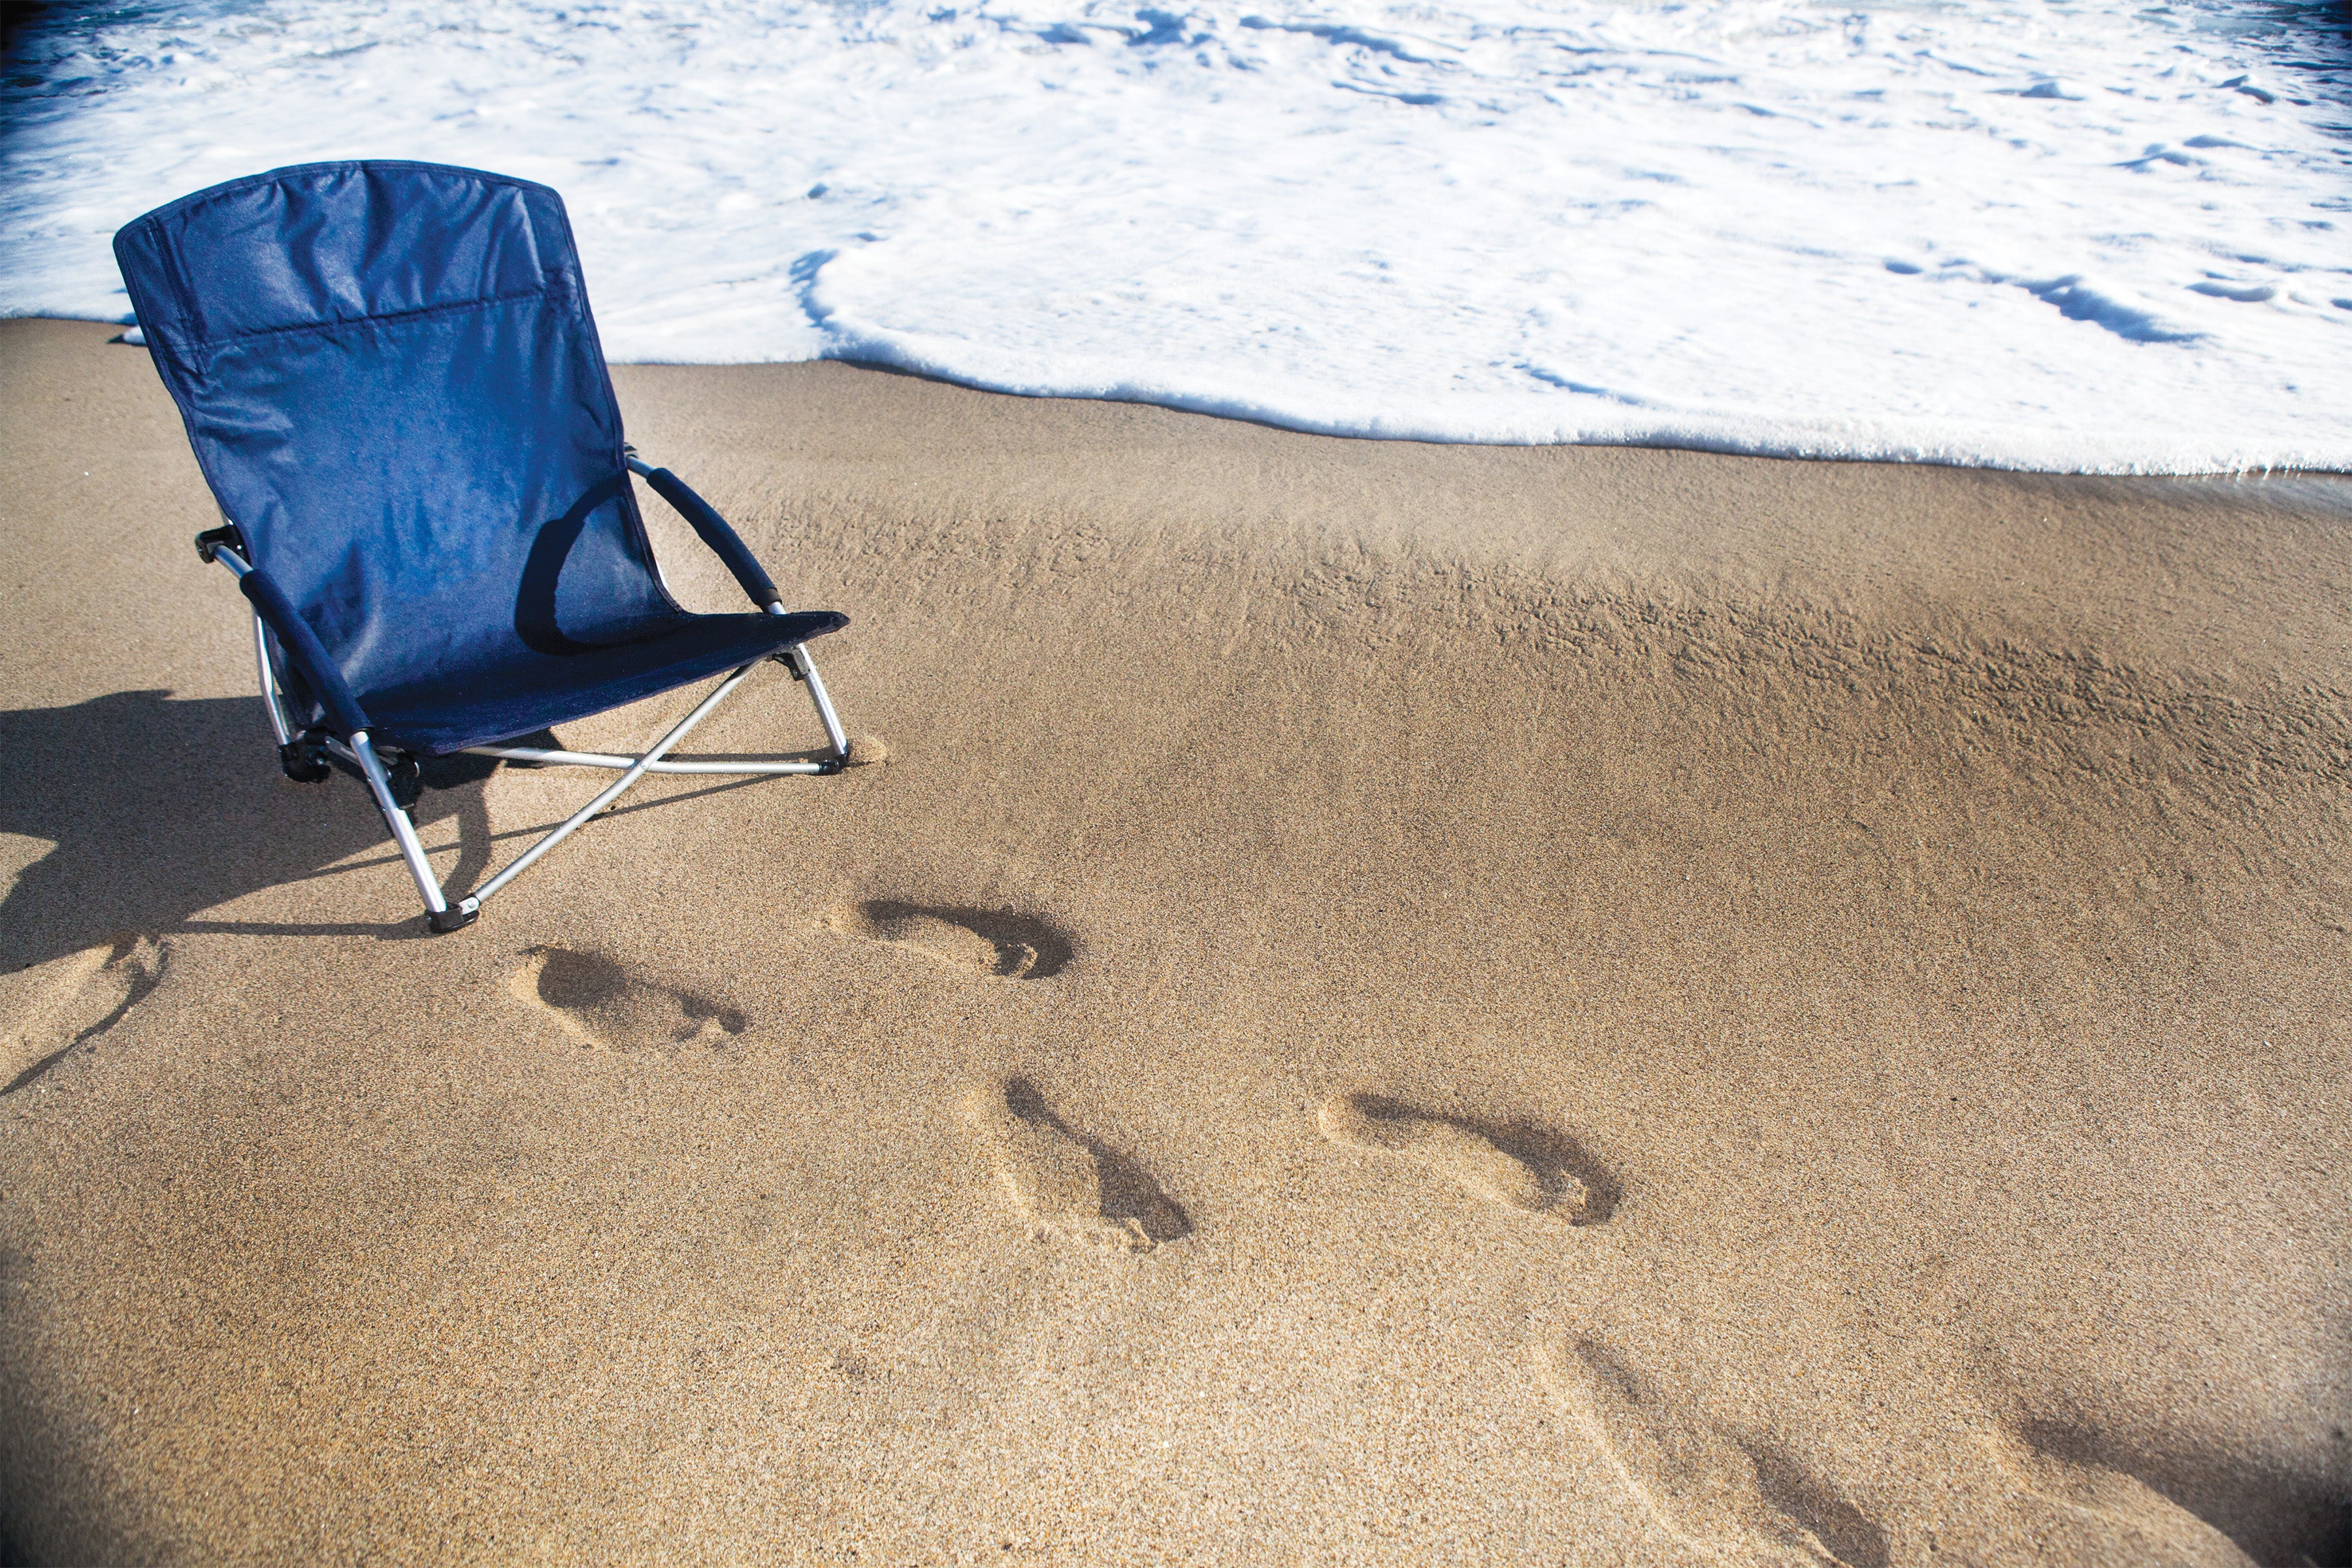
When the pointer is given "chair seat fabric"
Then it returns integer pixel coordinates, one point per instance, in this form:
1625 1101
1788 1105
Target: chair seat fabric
537 691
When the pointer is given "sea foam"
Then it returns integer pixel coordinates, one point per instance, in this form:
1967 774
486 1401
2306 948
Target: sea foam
2086 237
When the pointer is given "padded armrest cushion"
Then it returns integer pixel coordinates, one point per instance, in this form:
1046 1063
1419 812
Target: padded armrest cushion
302 646
723 540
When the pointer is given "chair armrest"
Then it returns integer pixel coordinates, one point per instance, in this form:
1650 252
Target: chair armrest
723 540
309 654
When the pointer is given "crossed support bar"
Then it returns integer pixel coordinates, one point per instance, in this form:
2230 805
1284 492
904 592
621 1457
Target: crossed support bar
360 752
444 917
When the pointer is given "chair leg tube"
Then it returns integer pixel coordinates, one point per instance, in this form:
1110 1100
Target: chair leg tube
444 916
403 830
277 724
805 667
607 760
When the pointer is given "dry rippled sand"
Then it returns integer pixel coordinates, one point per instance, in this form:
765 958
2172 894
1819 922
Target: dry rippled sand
1372 1004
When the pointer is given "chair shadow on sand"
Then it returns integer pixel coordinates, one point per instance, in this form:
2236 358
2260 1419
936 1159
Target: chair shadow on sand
159 809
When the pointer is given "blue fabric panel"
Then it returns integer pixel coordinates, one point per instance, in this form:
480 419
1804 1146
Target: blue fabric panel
343 242
723 540
541 692
391 382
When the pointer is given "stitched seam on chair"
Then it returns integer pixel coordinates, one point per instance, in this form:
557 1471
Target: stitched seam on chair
420 313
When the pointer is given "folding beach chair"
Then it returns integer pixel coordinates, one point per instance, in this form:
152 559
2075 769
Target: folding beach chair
392 385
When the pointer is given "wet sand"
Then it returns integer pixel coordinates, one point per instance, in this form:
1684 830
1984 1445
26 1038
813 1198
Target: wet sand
1377 1003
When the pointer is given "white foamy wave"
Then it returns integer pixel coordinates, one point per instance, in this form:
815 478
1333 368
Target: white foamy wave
2064 238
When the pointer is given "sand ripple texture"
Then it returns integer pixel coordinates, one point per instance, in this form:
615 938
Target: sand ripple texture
1392 1005
2094 237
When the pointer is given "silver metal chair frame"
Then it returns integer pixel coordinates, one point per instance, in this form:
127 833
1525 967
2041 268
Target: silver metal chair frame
443 914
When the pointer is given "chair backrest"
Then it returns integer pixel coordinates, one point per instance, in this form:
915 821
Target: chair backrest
394 386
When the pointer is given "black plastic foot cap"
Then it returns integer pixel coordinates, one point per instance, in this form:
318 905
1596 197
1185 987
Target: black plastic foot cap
304 763
407 782
458 917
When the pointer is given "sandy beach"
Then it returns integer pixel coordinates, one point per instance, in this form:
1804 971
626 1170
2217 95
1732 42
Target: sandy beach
1371 1003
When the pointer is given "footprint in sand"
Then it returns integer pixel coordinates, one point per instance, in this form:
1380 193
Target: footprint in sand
55 1007
2098 1496
1730 1501
981 942
1062 1183
603 1004
1530 1168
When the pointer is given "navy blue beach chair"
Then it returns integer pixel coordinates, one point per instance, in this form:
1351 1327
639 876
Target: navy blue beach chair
392 385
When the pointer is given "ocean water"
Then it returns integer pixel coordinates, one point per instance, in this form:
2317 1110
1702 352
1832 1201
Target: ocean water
2067 236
